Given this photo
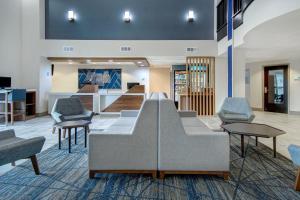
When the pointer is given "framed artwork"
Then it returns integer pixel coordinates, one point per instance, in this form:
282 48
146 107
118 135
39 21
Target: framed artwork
104 78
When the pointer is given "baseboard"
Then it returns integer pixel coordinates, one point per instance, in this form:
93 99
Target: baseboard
257 109
224 174
41 114
294 112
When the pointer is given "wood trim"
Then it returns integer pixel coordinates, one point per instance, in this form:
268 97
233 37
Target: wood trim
224 174
92 173
297 183
35 164
201 85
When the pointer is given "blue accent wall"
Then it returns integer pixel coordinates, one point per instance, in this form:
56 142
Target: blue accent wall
230 87
152 20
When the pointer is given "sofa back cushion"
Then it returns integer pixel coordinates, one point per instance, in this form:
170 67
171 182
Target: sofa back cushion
169 120
69 106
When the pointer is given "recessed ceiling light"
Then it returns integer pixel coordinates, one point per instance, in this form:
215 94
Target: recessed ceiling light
118 63
142 65
110 61
140 62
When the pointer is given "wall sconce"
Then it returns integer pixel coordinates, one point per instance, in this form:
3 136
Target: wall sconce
191 16
71 16
127 17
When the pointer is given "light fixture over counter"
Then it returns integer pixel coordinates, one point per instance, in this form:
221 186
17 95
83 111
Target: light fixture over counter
191 16
127 16
71 16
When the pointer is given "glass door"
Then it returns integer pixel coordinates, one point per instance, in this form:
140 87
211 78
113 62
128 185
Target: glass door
276 89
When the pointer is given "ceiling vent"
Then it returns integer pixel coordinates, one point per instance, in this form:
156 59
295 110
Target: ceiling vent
191 49
68 49
126 49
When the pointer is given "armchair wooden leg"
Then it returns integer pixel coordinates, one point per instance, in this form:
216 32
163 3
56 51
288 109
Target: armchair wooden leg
91 174
13 164
53 130
297 184
226 176
35 165
154 174
64 133
161 175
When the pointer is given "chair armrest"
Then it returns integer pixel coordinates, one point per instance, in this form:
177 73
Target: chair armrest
88 113
7 134
57 117
187 113
129 113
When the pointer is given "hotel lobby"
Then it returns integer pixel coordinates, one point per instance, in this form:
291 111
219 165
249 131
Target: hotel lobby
152 99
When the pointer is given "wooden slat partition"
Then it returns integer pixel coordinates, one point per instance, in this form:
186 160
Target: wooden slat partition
200 95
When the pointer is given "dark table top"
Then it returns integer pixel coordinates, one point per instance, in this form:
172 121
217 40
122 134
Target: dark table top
72 124
253 129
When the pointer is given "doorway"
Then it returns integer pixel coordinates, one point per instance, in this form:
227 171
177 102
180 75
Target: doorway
276 89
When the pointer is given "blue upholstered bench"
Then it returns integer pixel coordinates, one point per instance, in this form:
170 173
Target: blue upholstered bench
294 151
13 148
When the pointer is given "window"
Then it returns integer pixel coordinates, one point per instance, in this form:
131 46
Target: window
221 14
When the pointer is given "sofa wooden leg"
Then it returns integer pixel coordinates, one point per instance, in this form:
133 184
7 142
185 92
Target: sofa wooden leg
91 174
35 164
161 175
13 164
53 130
154 174
226 176
297 184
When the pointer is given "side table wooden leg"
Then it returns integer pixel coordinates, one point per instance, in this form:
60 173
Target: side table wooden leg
85 135
242 146
59 138
75 135
69 132
256 141
274 147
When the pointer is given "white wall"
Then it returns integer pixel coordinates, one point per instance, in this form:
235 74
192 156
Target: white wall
65 77
221 81
238 76
256 83
10 40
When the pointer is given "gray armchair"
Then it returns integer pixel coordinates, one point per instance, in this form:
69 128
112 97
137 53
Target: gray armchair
236 109
13 148
69 109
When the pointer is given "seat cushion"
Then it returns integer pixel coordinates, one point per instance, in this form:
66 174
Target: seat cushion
10 141
76 117
236 117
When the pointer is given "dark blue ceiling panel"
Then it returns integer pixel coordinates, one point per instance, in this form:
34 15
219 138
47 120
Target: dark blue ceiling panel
152 20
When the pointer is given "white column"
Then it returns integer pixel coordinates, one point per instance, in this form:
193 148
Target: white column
239 68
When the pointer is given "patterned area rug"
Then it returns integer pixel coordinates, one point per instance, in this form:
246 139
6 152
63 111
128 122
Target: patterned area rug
65 176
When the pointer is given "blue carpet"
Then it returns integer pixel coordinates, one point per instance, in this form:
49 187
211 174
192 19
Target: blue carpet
65 176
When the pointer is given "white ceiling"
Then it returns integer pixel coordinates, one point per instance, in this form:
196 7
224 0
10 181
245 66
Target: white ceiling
277 39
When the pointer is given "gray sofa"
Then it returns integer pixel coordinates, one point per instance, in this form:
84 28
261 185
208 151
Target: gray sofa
13 148
160 139
69 109
127 146
236 109
187 146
